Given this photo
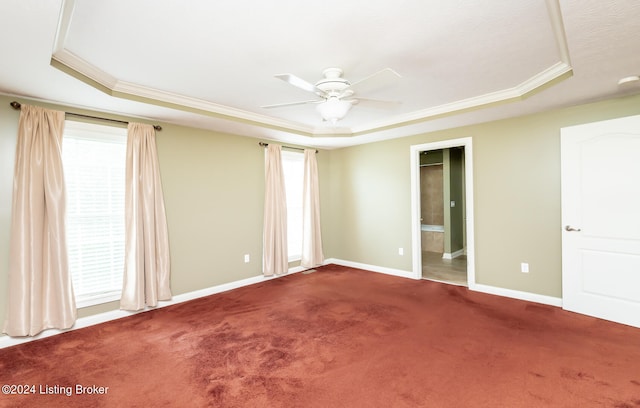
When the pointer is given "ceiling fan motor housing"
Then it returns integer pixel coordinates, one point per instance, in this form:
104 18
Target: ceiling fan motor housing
333 84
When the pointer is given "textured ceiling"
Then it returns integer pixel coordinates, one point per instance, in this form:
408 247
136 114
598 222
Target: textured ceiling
212 64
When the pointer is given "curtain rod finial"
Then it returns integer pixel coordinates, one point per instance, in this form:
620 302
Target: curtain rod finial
15 105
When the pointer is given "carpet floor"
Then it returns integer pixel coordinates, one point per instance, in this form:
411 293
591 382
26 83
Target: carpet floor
338 337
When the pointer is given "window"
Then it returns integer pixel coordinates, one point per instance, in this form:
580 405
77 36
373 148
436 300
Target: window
293 169
93 158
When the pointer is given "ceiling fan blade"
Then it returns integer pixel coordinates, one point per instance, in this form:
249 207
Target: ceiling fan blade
379 79
298 82
375 103
281 105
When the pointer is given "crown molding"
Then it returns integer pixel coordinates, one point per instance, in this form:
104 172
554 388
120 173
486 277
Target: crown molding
178 101
536 83
67 61
75 66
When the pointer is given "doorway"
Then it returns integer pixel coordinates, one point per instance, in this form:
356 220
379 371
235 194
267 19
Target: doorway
442 212
442 215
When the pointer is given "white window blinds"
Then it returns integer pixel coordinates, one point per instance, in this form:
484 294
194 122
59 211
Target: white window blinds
293 169
94 167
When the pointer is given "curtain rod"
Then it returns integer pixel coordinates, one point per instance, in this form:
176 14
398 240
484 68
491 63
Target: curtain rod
263 144
16 105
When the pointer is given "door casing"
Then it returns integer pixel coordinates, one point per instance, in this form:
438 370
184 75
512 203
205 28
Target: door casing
416 239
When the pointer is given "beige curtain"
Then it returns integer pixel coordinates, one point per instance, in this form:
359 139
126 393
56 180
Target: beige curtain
311 236
147 264
40 293
275 257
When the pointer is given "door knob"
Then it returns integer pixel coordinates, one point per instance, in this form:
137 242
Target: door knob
571 229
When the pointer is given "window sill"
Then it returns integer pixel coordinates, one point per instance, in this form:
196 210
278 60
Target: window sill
97 299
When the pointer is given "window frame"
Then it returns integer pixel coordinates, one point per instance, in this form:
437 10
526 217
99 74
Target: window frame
92 131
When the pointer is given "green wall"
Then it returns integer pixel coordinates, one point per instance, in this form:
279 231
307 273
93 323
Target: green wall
516 190
214 192
370 205
214 186
456 193
8 132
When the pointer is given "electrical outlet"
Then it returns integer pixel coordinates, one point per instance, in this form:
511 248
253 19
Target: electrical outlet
524 267
247 258
400 251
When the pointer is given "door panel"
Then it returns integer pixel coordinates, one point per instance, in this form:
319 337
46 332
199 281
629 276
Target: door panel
609 200
599 278
601 205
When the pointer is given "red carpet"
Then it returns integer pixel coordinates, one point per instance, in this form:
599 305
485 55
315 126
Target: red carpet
339 337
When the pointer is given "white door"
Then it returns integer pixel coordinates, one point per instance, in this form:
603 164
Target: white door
601 219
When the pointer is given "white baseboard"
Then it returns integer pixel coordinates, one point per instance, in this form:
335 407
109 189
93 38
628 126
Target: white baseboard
453 255
493 290
372 268
7 341
516 294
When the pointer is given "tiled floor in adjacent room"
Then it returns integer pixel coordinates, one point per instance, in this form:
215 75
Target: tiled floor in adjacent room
434 267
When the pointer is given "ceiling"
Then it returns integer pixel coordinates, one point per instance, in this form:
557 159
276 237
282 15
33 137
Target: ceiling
211 64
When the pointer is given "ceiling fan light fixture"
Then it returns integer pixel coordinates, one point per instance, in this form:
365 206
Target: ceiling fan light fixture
333 109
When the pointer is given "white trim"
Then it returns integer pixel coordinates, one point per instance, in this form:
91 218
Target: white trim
77 64
559 70
557 24
98 299
518 92
64 22
516 294
7 341
159 97
416 238
371 268
156 95
453 255
492 290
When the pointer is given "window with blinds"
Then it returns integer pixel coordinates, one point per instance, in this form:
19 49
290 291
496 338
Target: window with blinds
93 158
293 169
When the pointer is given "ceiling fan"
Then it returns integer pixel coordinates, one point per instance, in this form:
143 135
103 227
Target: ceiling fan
336 95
